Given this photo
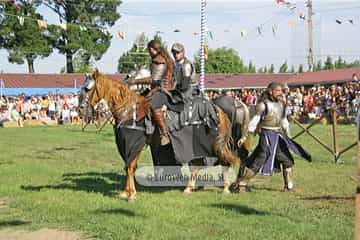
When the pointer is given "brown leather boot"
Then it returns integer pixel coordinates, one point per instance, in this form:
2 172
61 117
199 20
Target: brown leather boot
158 117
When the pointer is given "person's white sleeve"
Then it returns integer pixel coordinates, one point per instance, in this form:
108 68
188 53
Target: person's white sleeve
254 123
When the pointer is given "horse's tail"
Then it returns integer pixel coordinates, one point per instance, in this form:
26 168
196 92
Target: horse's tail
224 141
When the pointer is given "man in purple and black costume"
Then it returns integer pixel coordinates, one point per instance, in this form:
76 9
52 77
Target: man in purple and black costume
272 152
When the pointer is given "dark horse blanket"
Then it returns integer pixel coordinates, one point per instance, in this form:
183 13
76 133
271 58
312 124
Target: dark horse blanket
192 133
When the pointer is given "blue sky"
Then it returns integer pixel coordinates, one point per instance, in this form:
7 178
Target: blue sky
226 19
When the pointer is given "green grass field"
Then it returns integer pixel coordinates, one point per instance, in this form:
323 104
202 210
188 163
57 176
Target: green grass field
60 177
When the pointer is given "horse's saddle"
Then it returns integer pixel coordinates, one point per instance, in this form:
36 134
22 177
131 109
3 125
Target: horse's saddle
197 111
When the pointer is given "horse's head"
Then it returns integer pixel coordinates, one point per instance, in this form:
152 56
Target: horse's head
88 95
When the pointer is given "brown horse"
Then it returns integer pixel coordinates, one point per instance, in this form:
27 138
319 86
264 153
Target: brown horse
124 104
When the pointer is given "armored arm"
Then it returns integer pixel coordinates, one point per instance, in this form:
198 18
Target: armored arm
133 81
242 117
260 109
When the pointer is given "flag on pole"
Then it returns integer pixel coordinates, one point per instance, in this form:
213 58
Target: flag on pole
206 52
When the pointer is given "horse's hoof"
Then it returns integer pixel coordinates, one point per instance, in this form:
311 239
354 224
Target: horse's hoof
187 191
123 195
132 199
226 191
234 187
286 189
237 188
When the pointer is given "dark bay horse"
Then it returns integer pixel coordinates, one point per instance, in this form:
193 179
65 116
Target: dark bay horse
124 104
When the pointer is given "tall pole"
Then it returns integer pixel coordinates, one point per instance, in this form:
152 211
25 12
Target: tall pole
202 48
357 194
2 85
310 36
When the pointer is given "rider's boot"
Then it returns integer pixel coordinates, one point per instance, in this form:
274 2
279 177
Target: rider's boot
158 116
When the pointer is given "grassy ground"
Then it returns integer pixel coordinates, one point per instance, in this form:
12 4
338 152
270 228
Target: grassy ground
60 177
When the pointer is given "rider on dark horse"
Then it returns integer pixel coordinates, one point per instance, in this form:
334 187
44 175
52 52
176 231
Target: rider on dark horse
168 89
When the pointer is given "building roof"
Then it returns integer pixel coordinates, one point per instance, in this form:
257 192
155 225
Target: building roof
324 77
17 80
212 81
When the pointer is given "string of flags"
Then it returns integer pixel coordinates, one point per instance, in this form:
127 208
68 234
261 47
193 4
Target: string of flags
341 21
259 30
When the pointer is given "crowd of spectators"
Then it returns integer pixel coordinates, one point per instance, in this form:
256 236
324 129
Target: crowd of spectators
303 102
312 102
49 109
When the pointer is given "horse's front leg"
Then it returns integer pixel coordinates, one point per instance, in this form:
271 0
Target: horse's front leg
130 179
192 181
226 189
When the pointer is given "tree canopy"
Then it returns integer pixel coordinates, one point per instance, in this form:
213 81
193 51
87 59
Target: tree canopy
22 38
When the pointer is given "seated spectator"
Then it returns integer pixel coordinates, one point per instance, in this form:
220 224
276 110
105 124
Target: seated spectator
4 115
44 118
74 116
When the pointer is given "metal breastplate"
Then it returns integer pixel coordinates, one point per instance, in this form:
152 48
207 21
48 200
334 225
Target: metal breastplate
273 116
158 71
184 70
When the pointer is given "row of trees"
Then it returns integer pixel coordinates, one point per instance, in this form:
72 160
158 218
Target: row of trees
84 35
227 60
329 64
221 60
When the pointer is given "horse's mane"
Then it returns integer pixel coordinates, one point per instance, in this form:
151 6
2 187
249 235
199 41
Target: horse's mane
118 96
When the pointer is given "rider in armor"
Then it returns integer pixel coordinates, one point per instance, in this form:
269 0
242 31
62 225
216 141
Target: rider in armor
184 72
272 151
162 84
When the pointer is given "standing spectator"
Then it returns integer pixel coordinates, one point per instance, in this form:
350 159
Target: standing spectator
52 108
65 114
308 103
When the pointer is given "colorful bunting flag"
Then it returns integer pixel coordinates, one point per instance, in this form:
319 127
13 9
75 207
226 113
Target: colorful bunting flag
42 24
302 16
274 28
63 26
21 20
211 35
121 34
